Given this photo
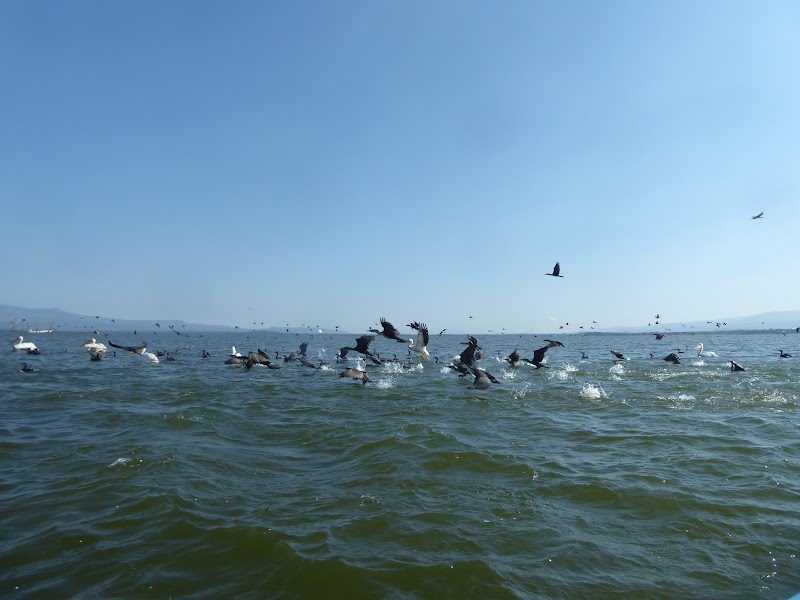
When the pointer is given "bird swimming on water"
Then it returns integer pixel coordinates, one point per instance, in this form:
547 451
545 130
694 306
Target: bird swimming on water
356 374
736 366
785 355
25 368
706 353
20 346
556 271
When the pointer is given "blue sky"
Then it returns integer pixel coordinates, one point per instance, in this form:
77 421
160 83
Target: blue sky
334 162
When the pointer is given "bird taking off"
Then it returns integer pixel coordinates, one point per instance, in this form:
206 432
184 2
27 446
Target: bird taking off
759 215
556 271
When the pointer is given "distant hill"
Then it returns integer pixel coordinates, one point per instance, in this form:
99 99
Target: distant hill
788 319
18 318
21 319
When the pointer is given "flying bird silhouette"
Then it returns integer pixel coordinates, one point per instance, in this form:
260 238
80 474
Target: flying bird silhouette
556 271
759 215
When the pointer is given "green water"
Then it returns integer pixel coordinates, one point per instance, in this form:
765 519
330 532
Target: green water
194 479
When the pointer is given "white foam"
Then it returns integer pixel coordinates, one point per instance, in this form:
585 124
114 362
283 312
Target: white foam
593 392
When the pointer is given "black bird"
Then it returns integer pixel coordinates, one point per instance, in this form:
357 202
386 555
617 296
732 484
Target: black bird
25 368
784 355
554 343
759 215
303 348
673 358
619 355
556 271
513 358
140 349
467 357
659 336
445 329
736 366
584 356
356 374
362 347
389 331
538 355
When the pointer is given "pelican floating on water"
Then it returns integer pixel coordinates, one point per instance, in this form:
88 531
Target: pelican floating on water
706 353
20 346
93 344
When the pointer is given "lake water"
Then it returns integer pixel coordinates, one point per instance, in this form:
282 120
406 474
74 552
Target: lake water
585 479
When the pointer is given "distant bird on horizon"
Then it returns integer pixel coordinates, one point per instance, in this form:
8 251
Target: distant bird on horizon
758 216
556 271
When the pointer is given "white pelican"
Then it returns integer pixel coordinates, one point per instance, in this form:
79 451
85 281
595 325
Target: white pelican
20 346
92 344
706 353
421 346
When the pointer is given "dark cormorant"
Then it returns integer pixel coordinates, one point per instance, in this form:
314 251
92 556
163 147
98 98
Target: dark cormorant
556 271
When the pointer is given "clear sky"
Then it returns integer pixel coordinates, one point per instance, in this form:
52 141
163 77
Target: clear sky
334 162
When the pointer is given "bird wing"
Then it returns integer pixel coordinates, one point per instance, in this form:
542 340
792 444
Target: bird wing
389 329
468 354
363 342
538 355
128 348
422 336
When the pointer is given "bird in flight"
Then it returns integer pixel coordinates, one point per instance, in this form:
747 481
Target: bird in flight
556 271
759 215
389 331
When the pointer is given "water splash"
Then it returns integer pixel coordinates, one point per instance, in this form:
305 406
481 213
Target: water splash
593 392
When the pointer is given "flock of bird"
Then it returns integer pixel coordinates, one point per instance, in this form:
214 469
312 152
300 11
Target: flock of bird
465 364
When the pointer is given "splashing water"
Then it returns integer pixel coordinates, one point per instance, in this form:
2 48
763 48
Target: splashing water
592 392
